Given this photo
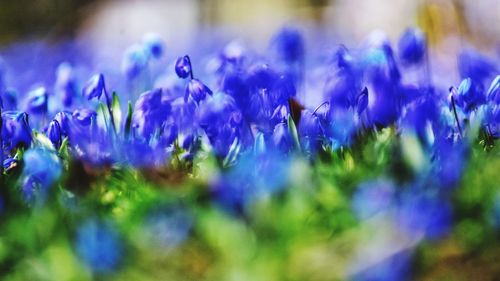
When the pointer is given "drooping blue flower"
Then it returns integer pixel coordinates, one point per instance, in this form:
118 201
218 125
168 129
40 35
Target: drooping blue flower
99 245
420 116
66 85
474 65
283 89
16 129
197 90
310 131
289 45
134 61
154 45
84 116
95 87
183 67
150 112
261 77
412 46
470 95
219 117
37 102
64 118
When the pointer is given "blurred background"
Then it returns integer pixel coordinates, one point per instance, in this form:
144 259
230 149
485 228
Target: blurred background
119 22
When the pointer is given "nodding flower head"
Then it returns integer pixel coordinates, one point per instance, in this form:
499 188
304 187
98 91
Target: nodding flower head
99 245
150 112
183 67
65 84
197 90
38 101
134 61
94 87
16 130
412 46
154 45
289 45
261 76
470 95
84 117
472 64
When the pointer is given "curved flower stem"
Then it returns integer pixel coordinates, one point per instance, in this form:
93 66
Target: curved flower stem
456 116
320 106
190 67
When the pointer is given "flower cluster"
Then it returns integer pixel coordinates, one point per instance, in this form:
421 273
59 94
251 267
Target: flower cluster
242 127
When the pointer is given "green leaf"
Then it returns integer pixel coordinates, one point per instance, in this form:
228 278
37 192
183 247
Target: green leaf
293 132
128 122
42 140
117 111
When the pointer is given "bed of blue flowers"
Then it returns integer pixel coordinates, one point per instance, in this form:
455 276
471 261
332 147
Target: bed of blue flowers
222 168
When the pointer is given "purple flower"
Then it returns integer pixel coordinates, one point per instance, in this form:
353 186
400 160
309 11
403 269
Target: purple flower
54 133
183 67
197 90
16 129
472 64
150 112
95 87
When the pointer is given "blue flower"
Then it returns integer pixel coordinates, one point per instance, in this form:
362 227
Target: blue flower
289 45
154 45
54 133
412 46
42 168
470 95
95 87
472 64
66 84
150 112
493 93
183 67
99 245
16 129
84 117
197 90
38 101
134 61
